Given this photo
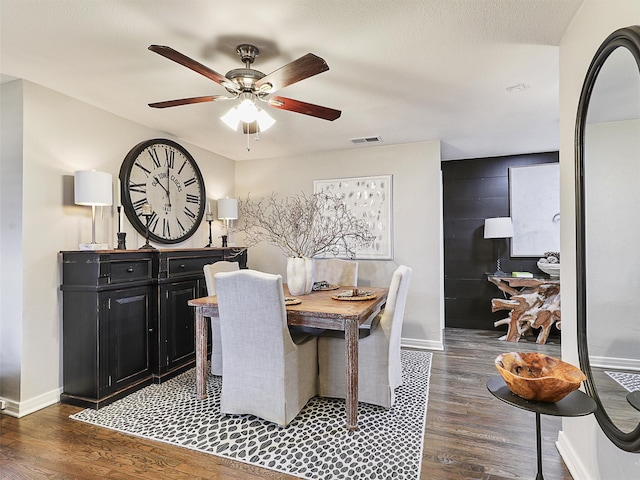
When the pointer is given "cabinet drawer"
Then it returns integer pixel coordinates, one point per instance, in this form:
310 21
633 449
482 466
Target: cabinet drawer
178 267
130 271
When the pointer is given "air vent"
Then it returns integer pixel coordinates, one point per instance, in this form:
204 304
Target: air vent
358 141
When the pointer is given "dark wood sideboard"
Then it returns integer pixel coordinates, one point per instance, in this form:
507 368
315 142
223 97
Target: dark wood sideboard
126 322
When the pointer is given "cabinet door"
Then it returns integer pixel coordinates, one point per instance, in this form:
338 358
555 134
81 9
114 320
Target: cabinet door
179 325
129 331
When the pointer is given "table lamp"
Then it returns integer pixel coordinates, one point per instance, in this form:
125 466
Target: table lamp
227 211
498 228
93 188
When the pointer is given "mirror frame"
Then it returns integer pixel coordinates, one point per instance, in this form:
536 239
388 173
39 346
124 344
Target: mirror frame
629 38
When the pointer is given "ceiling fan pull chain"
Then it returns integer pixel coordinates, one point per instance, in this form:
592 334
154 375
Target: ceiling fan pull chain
248 138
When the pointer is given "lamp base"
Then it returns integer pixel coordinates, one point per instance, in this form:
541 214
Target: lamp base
499 272
94 246
122 241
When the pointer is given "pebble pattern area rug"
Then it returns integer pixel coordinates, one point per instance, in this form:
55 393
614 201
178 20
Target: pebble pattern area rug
315 445
630 381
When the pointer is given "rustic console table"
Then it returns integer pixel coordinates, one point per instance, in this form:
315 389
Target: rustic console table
532 303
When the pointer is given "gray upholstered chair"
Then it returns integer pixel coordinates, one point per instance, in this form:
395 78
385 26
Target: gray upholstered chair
379 364
265 372
209 273
336 271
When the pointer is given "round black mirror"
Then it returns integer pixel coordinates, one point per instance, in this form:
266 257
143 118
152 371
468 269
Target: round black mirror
608 234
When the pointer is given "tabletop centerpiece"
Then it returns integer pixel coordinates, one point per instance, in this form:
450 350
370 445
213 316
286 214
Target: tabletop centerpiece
302 226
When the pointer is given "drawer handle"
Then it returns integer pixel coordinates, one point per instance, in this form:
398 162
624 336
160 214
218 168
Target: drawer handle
130 269
183 266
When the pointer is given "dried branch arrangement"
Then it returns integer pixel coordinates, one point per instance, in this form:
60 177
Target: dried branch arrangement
303 225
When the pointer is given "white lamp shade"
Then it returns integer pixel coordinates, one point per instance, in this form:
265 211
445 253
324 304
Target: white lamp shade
500 227
265 121
93 188
231 118
227 209
247 112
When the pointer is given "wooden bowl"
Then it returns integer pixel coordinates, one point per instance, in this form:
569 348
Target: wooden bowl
535 376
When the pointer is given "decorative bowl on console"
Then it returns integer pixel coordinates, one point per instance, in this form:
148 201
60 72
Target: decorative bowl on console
539 377
550 264
551 269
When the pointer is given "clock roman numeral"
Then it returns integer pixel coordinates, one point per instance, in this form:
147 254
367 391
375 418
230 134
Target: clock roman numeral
138 187
166 232
153 222
147 172
138 205
192 198
181 167
182 229
154 156
189 213
171 157
191 181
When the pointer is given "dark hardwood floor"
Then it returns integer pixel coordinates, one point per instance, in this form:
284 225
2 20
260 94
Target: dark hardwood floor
469 433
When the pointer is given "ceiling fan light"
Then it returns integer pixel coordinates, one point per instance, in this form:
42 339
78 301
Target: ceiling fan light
265 121
231 118
247 111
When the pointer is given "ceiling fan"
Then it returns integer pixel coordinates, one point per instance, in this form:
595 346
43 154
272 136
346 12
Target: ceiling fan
250 85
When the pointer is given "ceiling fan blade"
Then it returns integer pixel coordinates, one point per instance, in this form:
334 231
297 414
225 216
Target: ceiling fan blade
250 128
304 67
178 57
297 106
187 101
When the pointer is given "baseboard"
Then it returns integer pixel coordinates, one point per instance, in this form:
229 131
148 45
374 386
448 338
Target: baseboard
571 459
422 344
9 407
614 363
20 409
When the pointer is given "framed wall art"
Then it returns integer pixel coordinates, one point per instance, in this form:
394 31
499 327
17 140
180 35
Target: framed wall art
369 198
534 196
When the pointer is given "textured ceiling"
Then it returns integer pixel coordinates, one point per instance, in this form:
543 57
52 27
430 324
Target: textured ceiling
407 71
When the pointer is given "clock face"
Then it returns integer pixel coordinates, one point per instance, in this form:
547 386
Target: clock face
163 174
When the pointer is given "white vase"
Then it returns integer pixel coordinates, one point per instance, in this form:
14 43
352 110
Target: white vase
300 275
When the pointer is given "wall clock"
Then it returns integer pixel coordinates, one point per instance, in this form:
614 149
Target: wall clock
162 173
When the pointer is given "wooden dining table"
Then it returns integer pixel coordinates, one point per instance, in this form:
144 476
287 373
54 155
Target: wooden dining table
318 310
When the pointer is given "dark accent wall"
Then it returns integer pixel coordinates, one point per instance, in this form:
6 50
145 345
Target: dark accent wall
474 190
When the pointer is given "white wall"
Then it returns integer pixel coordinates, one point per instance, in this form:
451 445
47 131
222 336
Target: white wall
416 220
587 452
60 136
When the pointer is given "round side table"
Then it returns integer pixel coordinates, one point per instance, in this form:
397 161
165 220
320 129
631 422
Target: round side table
576 404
